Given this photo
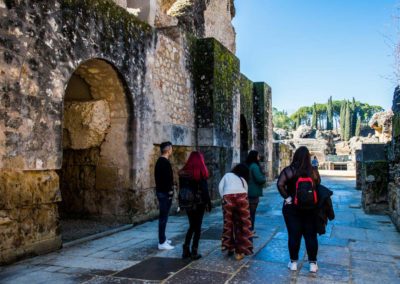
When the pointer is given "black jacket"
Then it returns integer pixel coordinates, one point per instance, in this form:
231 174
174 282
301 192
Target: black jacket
200 190
164 175
324 209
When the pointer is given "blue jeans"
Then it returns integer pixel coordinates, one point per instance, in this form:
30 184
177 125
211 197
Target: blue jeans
165 203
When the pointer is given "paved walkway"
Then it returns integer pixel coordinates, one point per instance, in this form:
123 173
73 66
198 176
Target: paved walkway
357 248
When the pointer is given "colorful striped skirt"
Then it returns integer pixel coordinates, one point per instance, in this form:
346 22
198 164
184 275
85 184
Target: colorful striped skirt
236 234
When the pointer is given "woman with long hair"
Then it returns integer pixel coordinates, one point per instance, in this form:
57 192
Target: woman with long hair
300 221
236 237
193 176
257 182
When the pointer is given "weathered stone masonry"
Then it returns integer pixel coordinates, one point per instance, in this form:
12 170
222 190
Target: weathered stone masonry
87 94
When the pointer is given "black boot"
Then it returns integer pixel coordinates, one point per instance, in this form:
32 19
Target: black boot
186 251
195 255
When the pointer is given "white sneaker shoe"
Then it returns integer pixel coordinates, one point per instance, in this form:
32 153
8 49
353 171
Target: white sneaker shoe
165 246
292 265
169 242
313 267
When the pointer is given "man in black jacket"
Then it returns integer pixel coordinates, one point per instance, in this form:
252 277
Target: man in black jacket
164 189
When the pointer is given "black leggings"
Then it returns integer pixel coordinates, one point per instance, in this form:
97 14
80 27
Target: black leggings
301 223
253 202
195 217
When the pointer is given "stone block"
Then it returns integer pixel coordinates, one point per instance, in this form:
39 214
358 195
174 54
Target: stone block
86 123
375 187
373 152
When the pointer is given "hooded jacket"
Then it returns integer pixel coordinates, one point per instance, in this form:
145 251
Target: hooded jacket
324 209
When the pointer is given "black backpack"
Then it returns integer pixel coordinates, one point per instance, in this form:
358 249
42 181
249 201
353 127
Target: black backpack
306 196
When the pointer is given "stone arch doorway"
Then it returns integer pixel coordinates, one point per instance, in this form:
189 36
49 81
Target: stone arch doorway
96 174
244 138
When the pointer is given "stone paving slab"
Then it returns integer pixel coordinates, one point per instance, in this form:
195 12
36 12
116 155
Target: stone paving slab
190 275
357 248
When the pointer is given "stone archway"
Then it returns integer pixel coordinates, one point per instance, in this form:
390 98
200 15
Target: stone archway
97 147
244 138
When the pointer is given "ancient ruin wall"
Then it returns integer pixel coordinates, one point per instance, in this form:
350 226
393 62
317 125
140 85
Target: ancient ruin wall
394 163
42 44
219 13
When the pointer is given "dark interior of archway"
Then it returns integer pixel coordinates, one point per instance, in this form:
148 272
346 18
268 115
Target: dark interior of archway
83 211
244 139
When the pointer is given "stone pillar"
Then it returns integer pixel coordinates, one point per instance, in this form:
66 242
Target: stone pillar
394 160
246 117
216 80
262 109
358 169
374 178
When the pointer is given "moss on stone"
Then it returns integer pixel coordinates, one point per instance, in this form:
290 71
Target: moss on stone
216 80
107 9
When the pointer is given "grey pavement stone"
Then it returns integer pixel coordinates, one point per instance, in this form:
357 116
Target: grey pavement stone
219 262
377 248
366 255
45 277
277 251
334 255
327 272
357 248
347 232
365 271
205 248
263 272
92 263
195 276
117 280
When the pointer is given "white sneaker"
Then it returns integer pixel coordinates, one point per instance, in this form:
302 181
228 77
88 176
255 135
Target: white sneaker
313 267
292 265
169 242
165 246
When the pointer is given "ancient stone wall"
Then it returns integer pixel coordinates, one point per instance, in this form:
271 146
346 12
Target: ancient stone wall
37 58
263 128
374 178
88 92
219 13
394 162
282 157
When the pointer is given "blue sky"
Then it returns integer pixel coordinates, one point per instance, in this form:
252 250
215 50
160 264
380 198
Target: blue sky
308 50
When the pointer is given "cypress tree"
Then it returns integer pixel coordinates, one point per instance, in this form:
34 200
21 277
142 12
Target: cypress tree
342 119
329 115
347 130
314 123
354 118
358 126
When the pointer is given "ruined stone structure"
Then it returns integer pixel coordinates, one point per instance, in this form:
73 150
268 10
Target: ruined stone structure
394 163
381 122
88 91
378 166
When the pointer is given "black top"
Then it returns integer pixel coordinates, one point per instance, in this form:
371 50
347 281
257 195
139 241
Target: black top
200 188
164 175
287 181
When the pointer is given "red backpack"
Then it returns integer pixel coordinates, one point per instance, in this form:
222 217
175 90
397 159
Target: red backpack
306 194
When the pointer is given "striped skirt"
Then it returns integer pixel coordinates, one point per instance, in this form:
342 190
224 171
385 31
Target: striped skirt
236 234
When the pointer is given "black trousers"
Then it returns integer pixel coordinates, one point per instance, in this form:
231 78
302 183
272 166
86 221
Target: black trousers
165 202
195 217
253 202
301 223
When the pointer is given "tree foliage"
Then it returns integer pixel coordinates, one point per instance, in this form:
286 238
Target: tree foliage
281 119
330 115
348 125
